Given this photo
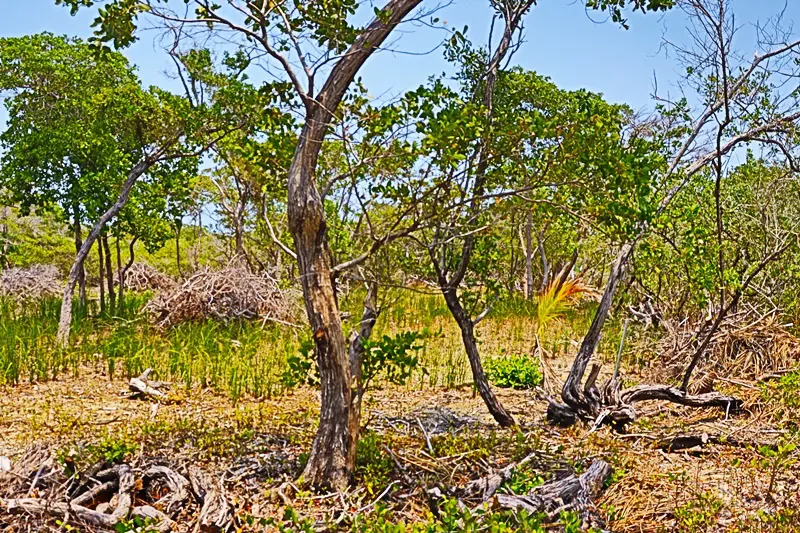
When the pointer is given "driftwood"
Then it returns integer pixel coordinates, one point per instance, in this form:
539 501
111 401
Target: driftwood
113 497
216 514
572 493
486 487
124 496
584 400
696 441
177 485
143 387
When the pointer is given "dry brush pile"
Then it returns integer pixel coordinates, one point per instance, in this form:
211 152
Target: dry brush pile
141 277
31 284
228 294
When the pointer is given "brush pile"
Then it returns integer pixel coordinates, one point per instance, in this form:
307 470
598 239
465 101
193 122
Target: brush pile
31 284
747 345
228 294
141 277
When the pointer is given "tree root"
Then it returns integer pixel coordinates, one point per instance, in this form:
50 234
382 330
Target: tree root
610 405
215 514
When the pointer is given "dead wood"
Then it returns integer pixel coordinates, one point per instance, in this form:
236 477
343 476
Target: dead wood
124 500
141 277
144 388
572 493
215 514
486 487
31 284
176 484
232 293
695 441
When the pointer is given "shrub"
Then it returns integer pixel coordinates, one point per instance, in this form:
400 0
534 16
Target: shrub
515 372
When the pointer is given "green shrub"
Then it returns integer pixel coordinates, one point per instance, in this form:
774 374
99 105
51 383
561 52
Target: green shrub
515 372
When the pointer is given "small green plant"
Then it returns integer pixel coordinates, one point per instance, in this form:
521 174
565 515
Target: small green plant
515 372
302 369
698 515
523 481
373 465
774 460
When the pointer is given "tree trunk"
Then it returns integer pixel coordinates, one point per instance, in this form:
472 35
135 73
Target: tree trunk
112 298
571 393
467 327
102 283
65 320
239 231
357 338
178 250
332 458
542 255
76 225
120 277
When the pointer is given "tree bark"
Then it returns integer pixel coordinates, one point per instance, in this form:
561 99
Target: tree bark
65 320
112 298
357 352
102 283
332 458
178 250
120 276
76 225
467 328
572 394
542 255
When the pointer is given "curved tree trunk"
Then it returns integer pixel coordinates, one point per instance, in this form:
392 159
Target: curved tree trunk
65 320
467 327
332 458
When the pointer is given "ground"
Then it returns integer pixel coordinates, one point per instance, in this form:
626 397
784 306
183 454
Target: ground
742 480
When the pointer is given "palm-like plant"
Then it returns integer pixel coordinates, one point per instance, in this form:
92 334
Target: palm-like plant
557 298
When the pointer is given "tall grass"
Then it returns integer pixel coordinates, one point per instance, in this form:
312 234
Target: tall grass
237 358
246 359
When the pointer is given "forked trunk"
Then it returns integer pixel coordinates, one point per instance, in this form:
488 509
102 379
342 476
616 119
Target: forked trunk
572 393
467 327
332 458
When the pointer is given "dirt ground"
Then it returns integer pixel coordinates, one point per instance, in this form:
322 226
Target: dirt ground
256 449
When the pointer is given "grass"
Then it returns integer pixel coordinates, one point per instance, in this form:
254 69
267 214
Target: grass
245 359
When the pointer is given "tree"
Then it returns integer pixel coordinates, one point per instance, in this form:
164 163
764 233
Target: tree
739 102
55 149
307 41
86 146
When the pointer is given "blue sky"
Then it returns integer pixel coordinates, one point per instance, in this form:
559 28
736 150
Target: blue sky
575 48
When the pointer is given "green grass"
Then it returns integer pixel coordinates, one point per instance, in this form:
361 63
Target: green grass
245 359
237 358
